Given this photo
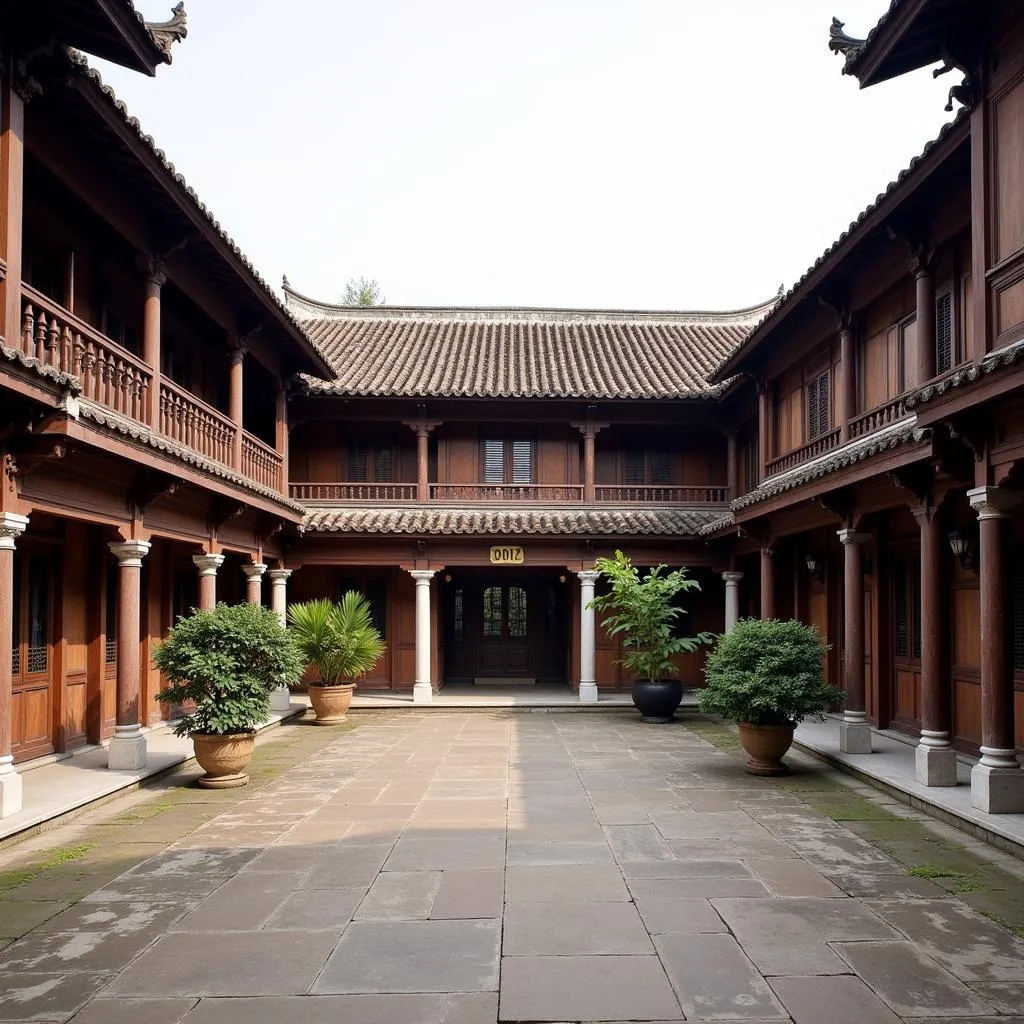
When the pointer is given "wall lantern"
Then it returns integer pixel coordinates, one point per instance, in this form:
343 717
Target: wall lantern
814 567
963 548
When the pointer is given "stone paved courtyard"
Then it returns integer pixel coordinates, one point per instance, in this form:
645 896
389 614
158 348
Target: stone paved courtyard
454 868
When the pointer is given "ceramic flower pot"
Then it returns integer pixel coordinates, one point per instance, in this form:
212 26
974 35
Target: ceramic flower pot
331 703
223 758
657 700
765 746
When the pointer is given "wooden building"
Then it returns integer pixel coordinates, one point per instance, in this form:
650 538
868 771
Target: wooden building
849 452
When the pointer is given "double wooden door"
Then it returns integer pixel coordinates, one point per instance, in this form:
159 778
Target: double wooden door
32 657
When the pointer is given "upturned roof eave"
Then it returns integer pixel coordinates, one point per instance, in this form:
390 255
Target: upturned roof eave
868 64
953 134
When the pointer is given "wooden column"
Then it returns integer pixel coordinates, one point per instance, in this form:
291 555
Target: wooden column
732 465
156 278
281 432
235 410
207 566
589 429
997 782
936 760
12 526
127 750
854 732
767 583
12 171
422 428
925 285
764 414
847 378
254 582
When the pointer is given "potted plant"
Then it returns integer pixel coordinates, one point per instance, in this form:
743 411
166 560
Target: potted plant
765 675
643 612
339 641
224 662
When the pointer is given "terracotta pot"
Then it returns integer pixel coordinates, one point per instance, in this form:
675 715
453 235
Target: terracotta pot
223 758
330 702
657 701
765 746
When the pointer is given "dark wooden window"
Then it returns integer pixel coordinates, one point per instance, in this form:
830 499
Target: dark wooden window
647 467
184 591
818 405
749 462
370 463
507 462
1017 604
458 616
945 355
31 619
505 613
906 606
124 330
375 590
517 613
493 612
110 651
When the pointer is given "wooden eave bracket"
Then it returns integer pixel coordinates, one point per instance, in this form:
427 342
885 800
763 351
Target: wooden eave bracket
222 510
151 485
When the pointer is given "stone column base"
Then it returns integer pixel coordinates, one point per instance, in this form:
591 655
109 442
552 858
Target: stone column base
281 700
10 788
935 766
127 750
588 693
997 790
855 737
422 693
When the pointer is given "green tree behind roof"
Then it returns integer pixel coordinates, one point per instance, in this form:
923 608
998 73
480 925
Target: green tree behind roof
362 293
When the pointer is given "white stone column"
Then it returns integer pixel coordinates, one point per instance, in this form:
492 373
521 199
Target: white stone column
588 638
127 749
281 698
732 599
422 690
254 581
12 526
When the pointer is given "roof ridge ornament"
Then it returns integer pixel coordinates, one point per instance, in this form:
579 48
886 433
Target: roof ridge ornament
166 33
840 42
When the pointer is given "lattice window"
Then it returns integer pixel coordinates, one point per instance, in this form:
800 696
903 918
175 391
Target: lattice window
38 654
368 463
517 613
914 584
1018 616
110 652
492 612
38 659
458 617
901 625
635 468
645 467
944 333
818 406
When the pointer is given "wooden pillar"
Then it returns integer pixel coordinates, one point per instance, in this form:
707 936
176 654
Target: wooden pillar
847 379
997 782
589 429
207 566
767 582
732 465
12 526
235 410
982 222
12 172
156 278
254 581
127 751
423 463
935 758
854 732
281 433
764 414
925 285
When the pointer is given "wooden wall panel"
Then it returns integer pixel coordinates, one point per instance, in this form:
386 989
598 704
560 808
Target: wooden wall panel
966 712
1010 304
552 465
30 722
463 460
908 696
75 600
874 378
966 615
1009 172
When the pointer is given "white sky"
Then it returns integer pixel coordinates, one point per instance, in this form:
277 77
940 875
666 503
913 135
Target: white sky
652 154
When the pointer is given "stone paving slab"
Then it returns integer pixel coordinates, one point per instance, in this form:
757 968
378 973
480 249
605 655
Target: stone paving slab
567 869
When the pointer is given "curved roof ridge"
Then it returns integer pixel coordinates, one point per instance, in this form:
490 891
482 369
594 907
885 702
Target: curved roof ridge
302 307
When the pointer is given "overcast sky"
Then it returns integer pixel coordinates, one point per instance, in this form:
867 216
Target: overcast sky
649 154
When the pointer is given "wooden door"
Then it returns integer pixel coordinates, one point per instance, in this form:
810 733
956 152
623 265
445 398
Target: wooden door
32 661
504 631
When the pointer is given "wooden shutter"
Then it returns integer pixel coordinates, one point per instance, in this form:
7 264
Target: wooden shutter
383 465
1017 604
943 333
818 407
357 456
522 462
494 462
659 467
635 470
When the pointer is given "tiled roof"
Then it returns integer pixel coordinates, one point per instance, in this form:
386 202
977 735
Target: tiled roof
993 362
787 301
78 65
902 432
520 353
509 522
65 380
855 57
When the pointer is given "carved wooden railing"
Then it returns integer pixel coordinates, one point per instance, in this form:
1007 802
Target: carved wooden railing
352 492
515 493
191 422
661 494
109 374
260 462
874 419
806 452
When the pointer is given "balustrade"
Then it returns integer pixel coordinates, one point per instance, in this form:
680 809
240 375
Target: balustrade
515 493
661 494
261 463
194 424
875 419
109 374
806 452
352 492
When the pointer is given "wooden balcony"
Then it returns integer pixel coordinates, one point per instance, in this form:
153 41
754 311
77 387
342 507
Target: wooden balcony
806 452
114 378
658 494
874 419
356 492
516 494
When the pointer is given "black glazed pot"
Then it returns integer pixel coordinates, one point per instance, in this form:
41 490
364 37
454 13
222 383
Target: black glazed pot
657 701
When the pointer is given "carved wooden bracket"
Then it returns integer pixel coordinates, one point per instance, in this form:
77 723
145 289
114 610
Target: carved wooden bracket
152 485
224 509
